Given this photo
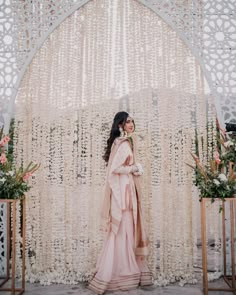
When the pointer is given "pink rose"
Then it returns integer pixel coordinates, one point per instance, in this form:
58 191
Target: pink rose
5 140
217 157
27 176
3 158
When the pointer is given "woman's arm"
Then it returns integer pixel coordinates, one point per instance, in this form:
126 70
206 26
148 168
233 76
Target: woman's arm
126 169
121 161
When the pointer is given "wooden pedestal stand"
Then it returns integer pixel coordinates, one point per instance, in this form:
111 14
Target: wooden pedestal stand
229 279
11 247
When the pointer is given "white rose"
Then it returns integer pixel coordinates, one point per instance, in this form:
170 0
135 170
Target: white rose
216 182
3 179
222 177
228 143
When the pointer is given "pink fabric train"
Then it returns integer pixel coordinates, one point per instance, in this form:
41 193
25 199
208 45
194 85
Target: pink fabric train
122 265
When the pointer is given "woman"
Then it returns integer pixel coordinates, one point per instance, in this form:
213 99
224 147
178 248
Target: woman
122 265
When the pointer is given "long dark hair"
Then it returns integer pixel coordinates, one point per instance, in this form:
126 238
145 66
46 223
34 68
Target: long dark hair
119 119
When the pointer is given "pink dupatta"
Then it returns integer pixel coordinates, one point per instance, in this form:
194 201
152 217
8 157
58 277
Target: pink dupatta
111 215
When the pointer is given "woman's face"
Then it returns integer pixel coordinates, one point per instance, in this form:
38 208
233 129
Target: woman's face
129 125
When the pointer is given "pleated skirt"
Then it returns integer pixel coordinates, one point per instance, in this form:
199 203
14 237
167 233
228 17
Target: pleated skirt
118 268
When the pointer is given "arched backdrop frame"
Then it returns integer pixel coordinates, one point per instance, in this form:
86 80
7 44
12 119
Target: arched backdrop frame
64 16
44 94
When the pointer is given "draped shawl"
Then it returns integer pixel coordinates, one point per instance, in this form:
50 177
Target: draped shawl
111 209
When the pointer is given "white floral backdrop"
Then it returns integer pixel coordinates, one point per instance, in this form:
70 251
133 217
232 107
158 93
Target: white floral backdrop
102 59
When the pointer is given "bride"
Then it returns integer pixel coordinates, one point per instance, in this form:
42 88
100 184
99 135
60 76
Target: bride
121 264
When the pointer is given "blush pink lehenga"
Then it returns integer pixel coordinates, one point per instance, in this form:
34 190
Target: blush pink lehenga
122 264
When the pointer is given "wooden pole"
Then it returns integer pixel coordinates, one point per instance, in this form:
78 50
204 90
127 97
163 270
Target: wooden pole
204 248
11 245
224 236
23 241
13 249
232 242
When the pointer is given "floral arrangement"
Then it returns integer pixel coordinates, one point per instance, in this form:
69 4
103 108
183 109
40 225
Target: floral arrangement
13 181
229 155
217 179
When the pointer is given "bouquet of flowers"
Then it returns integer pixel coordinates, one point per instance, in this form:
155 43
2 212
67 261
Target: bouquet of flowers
229 154
13 181
212 180
217 179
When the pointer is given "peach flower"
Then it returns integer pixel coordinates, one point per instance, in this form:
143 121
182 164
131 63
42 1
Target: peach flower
3 158
196 158
5 140
27 176
217 157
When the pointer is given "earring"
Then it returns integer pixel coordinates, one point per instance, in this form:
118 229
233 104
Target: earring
121 131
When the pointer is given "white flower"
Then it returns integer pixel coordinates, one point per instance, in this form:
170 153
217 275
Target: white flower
11 173
214 276
222 177
3 179
228 143
216 182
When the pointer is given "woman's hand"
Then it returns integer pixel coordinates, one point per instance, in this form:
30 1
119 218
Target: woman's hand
139 171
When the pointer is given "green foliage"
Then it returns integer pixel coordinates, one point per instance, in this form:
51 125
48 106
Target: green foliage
13 180
217 179
230 152
11 188
216 186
